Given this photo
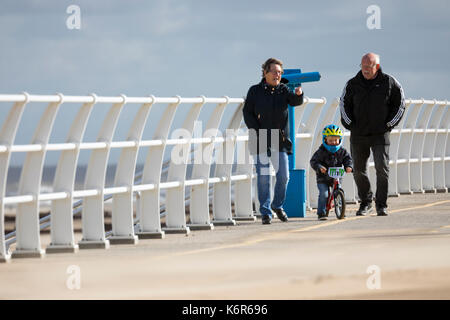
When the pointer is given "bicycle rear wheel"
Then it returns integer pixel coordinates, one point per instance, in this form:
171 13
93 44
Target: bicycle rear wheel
339 203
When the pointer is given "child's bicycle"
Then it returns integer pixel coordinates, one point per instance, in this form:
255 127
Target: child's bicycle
336 196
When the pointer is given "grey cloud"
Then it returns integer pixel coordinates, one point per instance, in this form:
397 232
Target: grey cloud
141 42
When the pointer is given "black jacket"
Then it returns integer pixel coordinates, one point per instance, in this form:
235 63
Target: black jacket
324 158
266 107
371 108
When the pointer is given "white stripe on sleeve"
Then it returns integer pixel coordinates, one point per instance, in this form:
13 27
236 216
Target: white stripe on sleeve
341 106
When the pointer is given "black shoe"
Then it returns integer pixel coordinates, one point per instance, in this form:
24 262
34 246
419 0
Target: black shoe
364 209
266 219
382 212
280 214
322 216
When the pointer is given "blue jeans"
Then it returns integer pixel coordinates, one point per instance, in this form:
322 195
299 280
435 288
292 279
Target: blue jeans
323 196
280 163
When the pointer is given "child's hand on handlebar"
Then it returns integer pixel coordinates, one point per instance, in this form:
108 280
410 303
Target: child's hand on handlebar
323 170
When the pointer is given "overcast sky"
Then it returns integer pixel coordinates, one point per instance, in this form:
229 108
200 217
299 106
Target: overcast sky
216 48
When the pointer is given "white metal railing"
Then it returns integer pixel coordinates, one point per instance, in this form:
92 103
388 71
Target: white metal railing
420 160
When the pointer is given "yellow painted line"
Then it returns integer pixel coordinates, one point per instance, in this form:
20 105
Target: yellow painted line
325 224
274 235
420 207
250 242
359 217
228 246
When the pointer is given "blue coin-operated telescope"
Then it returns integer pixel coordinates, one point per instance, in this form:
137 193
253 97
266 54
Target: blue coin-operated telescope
295 204
294 78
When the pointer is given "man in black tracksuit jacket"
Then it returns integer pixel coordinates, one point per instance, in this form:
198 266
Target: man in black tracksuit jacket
372 103
266 116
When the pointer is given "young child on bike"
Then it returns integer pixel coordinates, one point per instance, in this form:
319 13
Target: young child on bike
330 154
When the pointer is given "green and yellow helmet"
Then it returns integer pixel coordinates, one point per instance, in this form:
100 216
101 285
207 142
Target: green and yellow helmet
332 130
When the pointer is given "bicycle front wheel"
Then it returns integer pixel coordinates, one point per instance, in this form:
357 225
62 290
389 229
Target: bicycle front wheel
339 203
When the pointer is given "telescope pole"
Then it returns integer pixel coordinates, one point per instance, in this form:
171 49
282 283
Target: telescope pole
292 136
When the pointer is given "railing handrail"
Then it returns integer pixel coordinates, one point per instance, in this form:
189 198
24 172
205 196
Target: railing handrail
25 97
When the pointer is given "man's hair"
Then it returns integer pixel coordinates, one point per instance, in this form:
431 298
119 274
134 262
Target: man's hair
377 57
266 65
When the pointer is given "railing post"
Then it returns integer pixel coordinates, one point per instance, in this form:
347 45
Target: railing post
7 135
175 204
93 206
440 152
404 150
62 234
199 205
446 159
122 208
429 146
28 242
243 189
149 205
395 138
417 147
222 200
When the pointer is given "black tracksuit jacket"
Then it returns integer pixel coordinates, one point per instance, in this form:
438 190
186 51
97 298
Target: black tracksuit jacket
371 108
324 158
266 107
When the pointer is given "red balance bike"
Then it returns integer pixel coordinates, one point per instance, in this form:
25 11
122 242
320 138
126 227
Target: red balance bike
336 195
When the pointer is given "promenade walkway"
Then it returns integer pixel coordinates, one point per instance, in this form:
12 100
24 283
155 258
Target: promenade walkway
302 259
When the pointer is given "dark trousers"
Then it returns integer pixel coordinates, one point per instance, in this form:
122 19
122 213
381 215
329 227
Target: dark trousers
360 154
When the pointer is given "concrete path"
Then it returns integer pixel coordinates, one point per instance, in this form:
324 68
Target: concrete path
405 255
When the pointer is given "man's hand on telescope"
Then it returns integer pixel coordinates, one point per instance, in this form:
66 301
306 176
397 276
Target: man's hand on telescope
298 91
